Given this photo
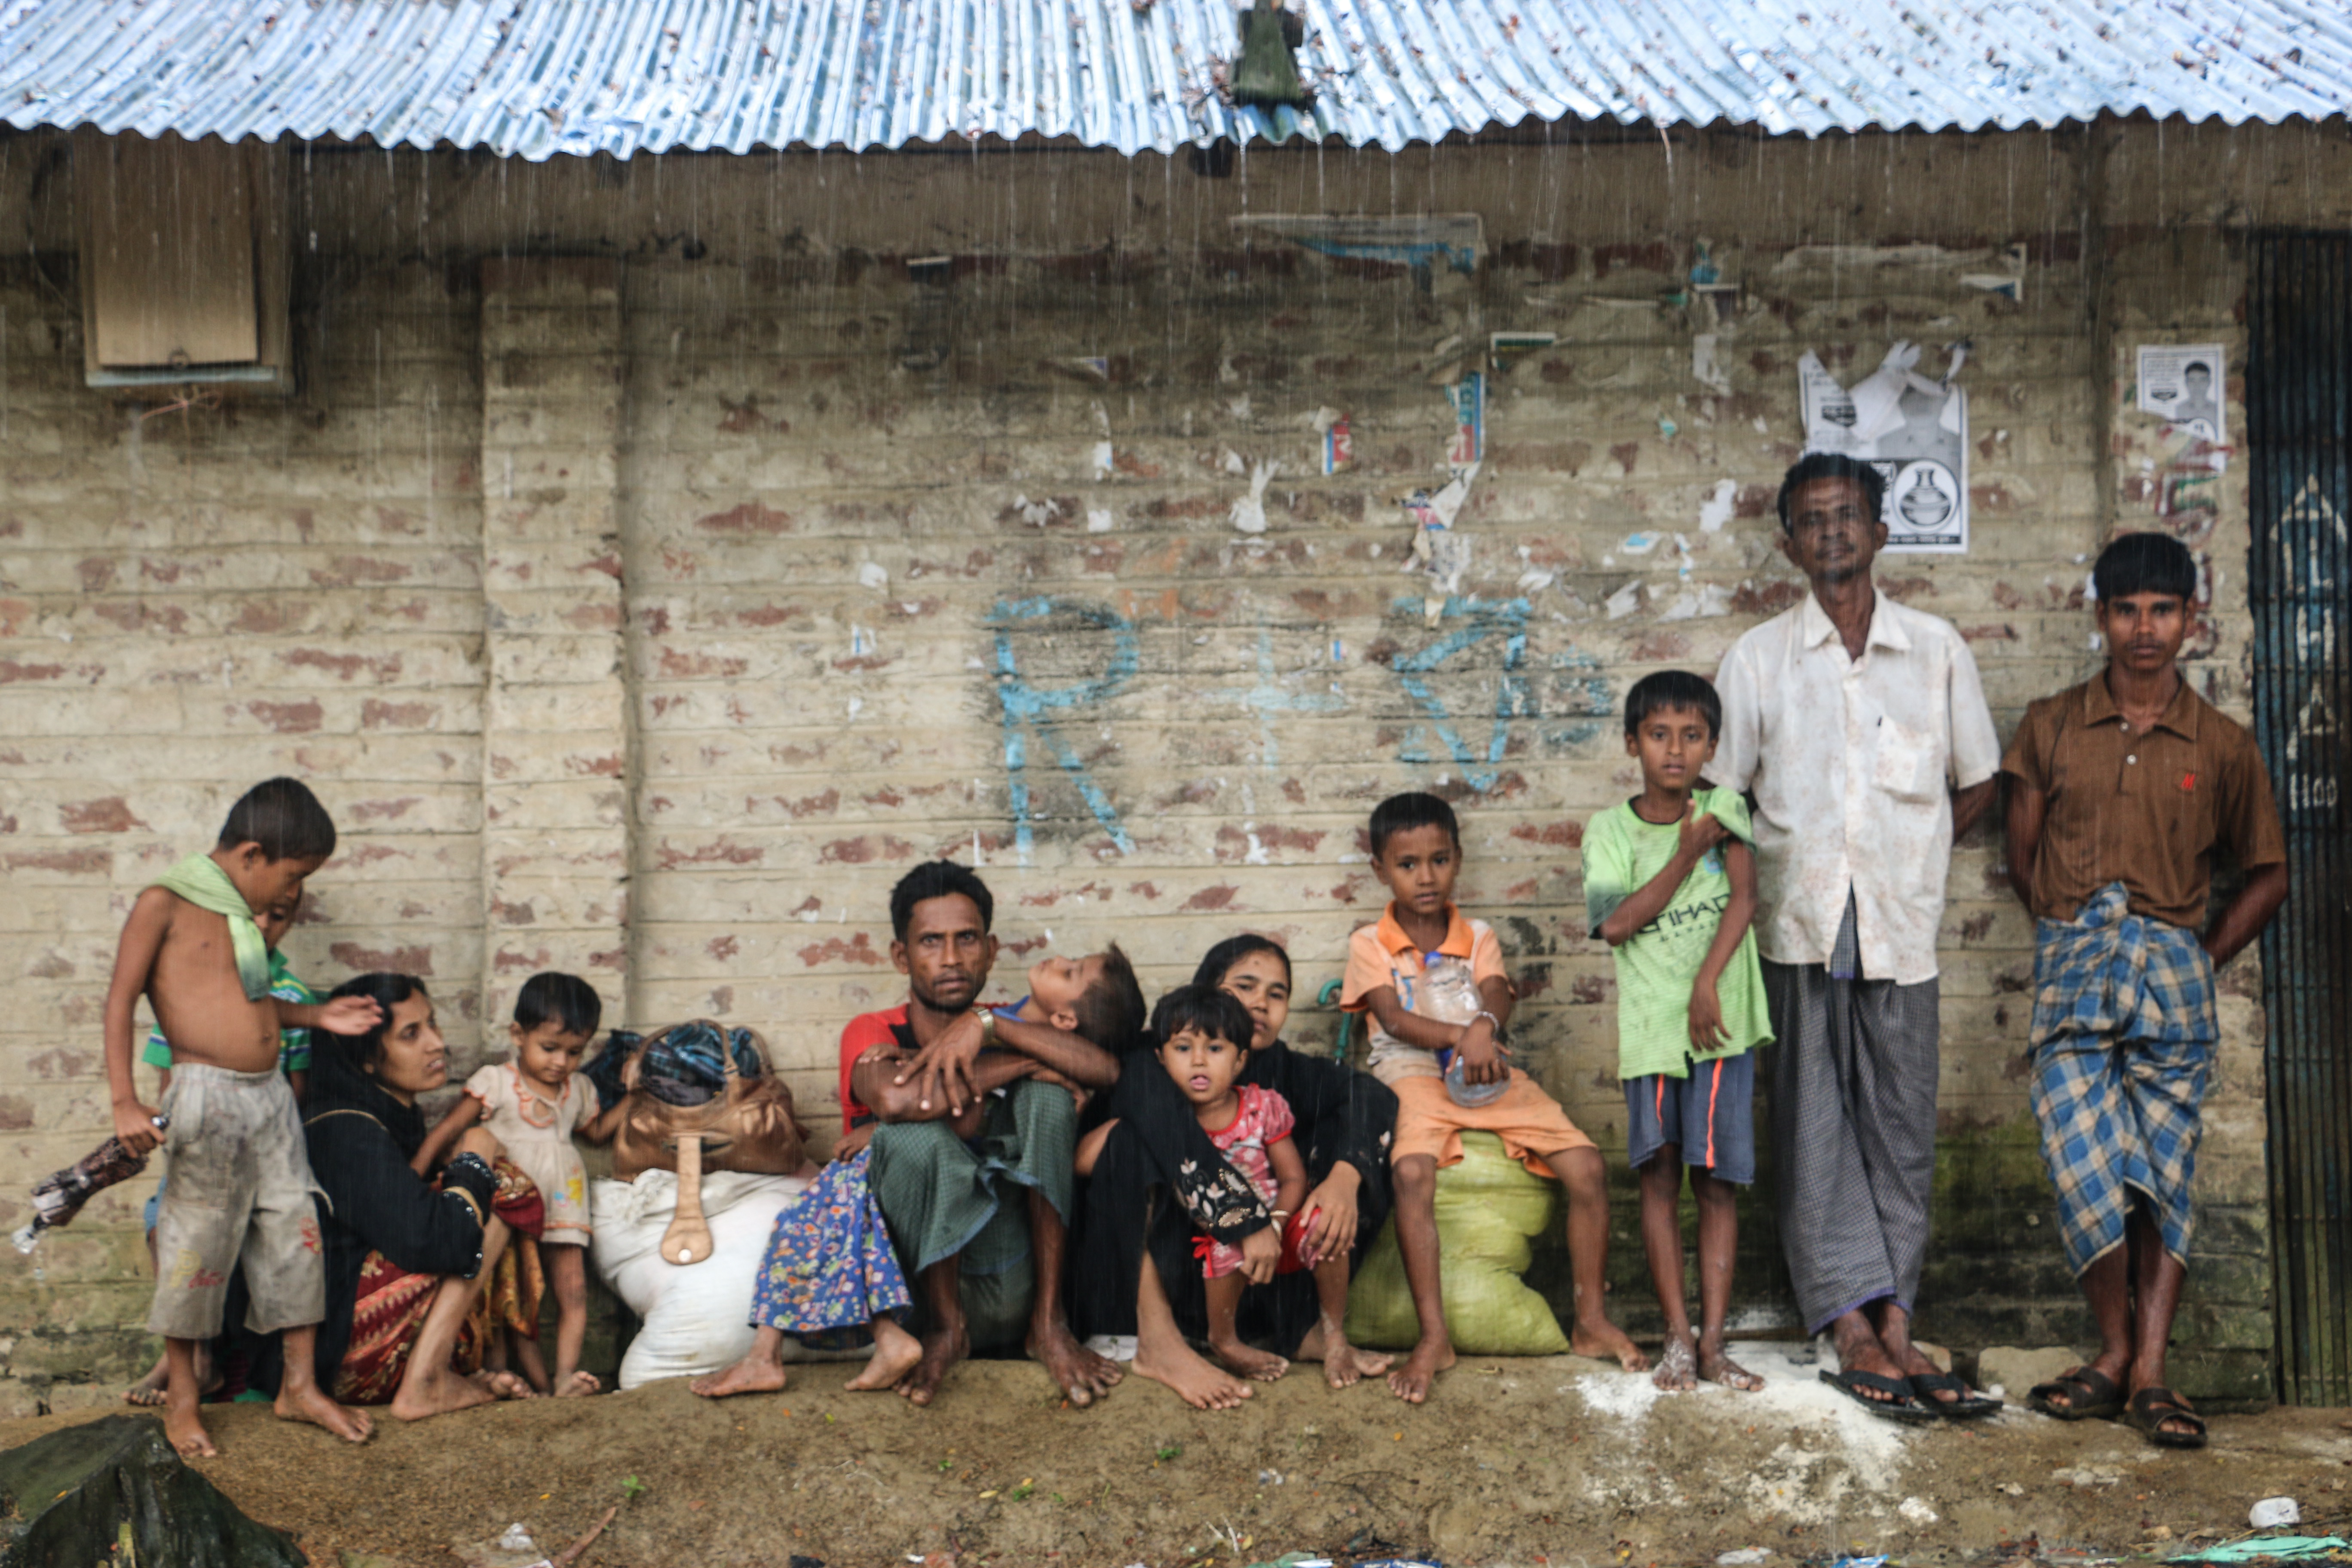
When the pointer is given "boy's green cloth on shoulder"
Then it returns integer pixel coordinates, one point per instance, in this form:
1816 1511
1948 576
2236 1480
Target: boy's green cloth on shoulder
293 1045
1656 967
200 880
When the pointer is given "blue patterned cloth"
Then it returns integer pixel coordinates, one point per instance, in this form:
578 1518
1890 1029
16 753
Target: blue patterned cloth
830 1265
684 1067
2123 1031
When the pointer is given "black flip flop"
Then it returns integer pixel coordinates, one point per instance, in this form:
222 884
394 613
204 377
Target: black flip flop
2089 1395
2150 1408
1965 1405
1903 1408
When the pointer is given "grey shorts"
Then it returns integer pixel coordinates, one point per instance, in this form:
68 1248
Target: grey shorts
237 1191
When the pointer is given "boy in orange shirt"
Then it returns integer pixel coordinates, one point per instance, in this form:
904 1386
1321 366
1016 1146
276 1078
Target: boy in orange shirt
1440 1007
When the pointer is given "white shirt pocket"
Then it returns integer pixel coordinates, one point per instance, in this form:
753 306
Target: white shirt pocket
1909 764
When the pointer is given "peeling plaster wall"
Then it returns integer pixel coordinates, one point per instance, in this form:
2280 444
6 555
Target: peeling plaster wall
650 614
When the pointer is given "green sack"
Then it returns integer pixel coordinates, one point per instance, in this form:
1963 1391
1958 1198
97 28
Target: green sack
1488 1208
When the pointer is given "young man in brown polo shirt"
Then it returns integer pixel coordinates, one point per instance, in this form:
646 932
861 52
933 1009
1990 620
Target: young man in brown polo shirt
2121 791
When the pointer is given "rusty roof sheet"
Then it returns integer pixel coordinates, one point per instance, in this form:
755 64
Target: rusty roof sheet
531 78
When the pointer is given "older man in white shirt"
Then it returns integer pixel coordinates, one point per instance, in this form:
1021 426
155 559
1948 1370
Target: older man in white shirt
1861 728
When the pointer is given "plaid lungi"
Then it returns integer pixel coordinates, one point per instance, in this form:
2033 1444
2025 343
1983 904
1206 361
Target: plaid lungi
2123 1030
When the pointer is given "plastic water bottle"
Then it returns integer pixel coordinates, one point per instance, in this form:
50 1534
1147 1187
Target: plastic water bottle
1447 993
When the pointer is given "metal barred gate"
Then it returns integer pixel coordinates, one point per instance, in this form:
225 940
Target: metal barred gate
2298 414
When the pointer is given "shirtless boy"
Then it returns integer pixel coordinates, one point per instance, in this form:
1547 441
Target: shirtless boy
239 1184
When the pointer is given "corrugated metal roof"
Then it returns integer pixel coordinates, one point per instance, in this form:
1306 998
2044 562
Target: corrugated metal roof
535 78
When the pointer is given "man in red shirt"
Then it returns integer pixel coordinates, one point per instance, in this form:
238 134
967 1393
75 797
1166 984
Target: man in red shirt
964 1106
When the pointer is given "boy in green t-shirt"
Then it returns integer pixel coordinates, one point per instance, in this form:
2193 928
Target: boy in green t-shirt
1670 883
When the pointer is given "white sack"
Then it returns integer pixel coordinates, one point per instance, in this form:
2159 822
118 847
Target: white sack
694 1317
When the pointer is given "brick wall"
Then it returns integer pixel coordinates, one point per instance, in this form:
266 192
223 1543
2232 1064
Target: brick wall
650 612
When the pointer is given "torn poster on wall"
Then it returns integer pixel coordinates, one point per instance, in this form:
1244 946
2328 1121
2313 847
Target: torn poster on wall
1913 430
2181 384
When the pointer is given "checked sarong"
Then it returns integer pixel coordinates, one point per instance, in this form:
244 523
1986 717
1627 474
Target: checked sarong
2123 1031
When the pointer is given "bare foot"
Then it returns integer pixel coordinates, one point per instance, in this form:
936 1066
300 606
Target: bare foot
148 1391
1196 1382
1082 1375
1344 1365
1677 1365
940 1351
1246 1361
504 1384
313 1404
577 1383
1411 1382
1604 1341
755 1373
186 1433
426 1393
895 1352
1717 1366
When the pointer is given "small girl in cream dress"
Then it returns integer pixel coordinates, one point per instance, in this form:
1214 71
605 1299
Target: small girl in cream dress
534 1104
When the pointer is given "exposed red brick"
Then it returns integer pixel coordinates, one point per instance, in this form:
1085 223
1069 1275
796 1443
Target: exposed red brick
1902 590
1567 833
1770 599
719 852
861 851
749 520
385 810
288 718
110 813
722 948
834 950
679 665
1220 897
513 913
1659 646
10 670
343 665
1626 453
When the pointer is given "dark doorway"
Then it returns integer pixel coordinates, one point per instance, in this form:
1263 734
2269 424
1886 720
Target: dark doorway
2298 407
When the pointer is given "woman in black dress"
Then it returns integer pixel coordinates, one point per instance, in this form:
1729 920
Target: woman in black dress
1141 1213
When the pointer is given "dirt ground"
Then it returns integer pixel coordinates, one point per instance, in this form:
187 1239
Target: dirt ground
1558 1461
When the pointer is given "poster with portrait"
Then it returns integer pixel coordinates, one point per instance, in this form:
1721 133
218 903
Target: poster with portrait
2182 385
1913 429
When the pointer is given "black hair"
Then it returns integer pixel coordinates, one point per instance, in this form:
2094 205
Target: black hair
2145 564
1831 465
1674 689
1216 1014
387 990
2197 364
1404 813
284 817
1110 1012
1231 951
938 879
550 997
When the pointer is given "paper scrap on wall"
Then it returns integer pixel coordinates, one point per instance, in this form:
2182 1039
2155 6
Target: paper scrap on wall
2182 385
1913 429
1468 398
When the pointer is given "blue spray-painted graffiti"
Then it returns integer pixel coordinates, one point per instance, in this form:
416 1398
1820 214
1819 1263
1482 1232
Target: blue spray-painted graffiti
1271 696
1507 618
1029 708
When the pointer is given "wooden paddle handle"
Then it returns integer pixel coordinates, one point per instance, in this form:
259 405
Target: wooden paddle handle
688 1239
